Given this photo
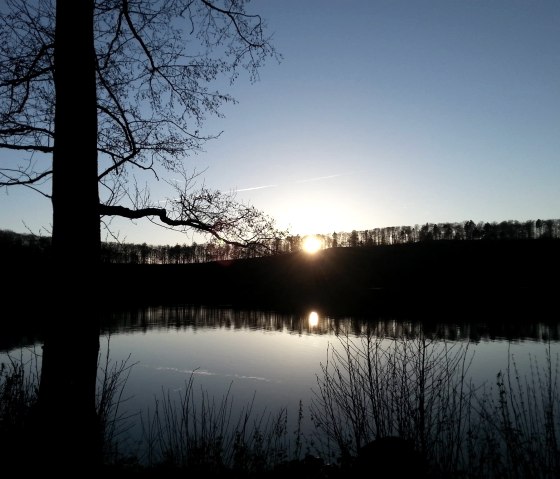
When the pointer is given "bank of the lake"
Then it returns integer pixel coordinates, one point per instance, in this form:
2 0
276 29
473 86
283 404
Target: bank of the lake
429 280
398 279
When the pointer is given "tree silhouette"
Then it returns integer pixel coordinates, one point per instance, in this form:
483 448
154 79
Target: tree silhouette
105 88
354 239
91 92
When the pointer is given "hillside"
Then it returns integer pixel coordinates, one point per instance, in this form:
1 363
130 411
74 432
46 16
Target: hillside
420 276
473 281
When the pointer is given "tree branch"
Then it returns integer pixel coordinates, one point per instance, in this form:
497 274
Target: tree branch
21 129
161 213
137 36
18 81
231 15
28 181
42 149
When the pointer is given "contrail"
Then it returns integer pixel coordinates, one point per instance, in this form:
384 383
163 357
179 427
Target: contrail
253 188
307 180
256 188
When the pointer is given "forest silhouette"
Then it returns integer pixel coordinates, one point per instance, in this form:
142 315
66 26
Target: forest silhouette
18 247
504 266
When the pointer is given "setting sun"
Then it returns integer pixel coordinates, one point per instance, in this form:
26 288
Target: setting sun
313 319
311 244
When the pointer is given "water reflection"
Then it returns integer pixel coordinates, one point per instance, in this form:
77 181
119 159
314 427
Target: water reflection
193 317
281 355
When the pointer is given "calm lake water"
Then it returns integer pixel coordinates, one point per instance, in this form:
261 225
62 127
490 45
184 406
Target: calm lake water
274 358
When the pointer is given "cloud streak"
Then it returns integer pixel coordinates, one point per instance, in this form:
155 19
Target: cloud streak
264 187
306 180
256 188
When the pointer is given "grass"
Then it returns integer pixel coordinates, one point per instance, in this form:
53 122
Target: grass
371 388
520 422
18 395
202 434
418 390
414 389
114 420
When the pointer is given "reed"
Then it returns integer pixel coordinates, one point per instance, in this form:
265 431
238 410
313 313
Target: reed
374 387
18 395
519 422
418 389
200 433
114 420
371 387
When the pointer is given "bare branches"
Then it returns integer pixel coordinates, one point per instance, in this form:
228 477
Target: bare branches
155 66
21 177
207 211
219 230
26 100
239 20
145 56
30 72
28 179
42 149
136 35
15 129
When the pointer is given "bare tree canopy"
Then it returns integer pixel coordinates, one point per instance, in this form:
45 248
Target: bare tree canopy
155 65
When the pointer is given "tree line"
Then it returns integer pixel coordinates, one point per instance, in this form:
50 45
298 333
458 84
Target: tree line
35 247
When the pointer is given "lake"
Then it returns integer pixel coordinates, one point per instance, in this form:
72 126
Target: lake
273 359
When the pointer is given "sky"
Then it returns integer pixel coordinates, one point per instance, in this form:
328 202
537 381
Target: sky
382 113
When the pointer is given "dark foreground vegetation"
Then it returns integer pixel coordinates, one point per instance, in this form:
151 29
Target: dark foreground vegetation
398 406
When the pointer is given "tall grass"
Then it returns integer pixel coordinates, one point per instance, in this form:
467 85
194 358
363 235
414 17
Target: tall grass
203 434
520 422
419 390
373 387
370 387
114 419
18 395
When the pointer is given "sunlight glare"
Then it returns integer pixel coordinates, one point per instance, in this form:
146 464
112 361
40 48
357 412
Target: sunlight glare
313 319
311 244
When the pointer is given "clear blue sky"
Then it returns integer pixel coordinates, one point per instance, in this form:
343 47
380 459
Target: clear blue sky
385 113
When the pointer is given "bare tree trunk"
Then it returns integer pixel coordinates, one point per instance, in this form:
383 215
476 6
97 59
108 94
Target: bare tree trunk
76 235
69 427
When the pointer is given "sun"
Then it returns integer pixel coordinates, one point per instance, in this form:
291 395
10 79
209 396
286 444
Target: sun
311 244
313 319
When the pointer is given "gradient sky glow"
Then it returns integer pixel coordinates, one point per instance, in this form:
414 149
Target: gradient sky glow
384 112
